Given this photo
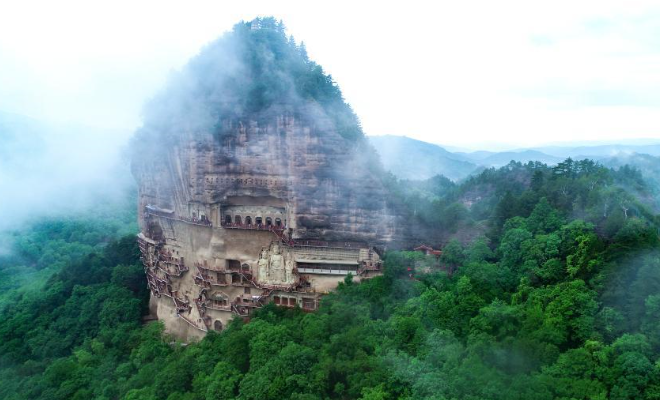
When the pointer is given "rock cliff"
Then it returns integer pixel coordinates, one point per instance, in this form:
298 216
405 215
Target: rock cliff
256 185
326 183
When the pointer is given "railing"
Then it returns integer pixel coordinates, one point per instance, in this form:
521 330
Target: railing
309 244
256 227
181 305
240 309
206 267
157 285
153 254
146 241
205 281
194 221
219 308
191 323
201 282
368 267
329 245
157 210
327 271
326 253
168 261
245 276
151 275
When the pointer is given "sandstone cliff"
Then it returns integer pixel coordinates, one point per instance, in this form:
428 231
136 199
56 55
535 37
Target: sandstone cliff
256 185
327 183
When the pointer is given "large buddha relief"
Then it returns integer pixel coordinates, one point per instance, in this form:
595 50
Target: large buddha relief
276 265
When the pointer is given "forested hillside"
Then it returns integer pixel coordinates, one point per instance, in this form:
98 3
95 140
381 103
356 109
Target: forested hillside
647 165
432 159
396 152
481 204
43 245
557 297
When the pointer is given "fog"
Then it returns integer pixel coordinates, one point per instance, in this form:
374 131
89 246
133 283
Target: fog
58 169
474 74
74 79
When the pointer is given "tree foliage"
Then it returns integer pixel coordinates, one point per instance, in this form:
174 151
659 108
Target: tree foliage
247 73
559 301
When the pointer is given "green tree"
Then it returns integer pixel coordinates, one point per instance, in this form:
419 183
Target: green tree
453 255
223 382
544 218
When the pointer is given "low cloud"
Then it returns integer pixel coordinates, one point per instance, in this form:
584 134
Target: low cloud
52 169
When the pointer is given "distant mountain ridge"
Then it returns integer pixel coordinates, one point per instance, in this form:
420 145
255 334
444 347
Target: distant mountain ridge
413 159
505 157
418 160
600 151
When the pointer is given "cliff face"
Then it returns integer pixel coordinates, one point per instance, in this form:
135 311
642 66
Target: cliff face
256 185
324 182
277 209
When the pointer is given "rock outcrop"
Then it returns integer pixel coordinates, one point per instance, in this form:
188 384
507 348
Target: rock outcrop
276 203
322 181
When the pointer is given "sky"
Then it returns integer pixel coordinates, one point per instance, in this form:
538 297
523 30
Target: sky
472 74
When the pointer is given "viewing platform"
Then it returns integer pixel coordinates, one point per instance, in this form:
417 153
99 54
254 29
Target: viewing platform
254 227
206 281
149 212
207 277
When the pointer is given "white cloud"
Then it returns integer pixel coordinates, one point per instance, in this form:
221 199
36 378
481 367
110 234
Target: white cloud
460 73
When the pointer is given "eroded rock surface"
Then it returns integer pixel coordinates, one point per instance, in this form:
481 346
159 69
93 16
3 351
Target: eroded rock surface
271 209
256 185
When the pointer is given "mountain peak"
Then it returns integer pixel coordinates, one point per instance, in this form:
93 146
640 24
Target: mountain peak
253 69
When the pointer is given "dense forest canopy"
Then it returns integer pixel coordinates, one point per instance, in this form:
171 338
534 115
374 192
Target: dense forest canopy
482 203
558 297
548 286
251 72
43 245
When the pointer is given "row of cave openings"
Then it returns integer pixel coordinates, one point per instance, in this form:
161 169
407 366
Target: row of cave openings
238 220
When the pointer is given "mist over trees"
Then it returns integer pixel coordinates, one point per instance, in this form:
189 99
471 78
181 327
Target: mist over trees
253 70
481 204
548 286
55 169
557 300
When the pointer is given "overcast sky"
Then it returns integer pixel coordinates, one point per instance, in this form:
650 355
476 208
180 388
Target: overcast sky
476 74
